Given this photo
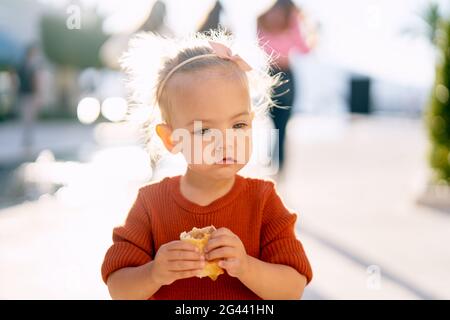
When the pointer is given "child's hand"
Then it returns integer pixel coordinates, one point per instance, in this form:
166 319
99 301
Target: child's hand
227 247
176 260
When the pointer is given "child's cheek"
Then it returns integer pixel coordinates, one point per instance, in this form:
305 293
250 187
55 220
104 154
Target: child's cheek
199 151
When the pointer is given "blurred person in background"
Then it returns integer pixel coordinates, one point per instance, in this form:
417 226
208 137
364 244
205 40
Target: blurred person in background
112 50
215 19
156 21
212 19
28 73
282 30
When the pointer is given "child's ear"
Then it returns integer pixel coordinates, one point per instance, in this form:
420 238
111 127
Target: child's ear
164 131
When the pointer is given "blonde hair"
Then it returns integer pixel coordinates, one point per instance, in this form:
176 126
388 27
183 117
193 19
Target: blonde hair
150 59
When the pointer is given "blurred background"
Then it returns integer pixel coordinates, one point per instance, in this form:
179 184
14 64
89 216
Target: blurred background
366 160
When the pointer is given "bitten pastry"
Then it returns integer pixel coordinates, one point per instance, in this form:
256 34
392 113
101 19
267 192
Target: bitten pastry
199 238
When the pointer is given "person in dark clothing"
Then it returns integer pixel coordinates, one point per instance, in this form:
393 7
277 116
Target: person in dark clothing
283 97
212 19
29 98
281 31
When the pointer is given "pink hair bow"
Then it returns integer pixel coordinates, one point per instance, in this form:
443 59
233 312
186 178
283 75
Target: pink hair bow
222 51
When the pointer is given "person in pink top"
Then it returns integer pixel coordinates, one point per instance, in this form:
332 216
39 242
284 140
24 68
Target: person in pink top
280 32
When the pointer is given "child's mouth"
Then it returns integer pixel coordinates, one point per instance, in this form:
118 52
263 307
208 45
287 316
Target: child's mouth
226 160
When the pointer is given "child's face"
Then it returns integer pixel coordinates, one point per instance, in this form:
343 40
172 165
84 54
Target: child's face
211 109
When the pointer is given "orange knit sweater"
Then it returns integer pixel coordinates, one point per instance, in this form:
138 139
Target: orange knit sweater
251 209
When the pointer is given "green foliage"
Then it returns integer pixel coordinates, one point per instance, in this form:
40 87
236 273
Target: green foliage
431 17
438 113
78 48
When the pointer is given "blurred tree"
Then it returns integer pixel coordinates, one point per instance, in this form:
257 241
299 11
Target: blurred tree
438 113
431 17
71 49
76 48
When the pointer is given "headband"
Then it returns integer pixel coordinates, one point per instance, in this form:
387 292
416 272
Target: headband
220 50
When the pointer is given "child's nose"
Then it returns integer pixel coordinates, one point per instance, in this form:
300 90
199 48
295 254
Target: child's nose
225 144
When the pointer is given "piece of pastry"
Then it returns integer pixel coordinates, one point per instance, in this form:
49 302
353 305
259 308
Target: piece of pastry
199 238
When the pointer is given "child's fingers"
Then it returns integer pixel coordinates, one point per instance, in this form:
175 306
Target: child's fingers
220 241
228 263
183 255
221 232
185 265
221 253
182 245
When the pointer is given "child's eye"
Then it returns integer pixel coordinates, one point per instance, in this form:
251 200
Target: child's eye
202 132
240 125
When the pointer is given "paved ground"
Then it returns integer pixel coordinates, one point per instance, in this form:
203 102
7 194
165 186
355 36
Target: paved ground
60 136
353 181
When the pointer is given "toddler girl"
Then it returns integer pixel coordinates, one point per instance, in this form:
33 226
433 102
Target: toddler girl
207 95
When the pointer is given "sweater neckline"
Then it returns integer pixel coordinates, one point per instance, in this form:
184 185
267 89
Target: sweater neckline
219 203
